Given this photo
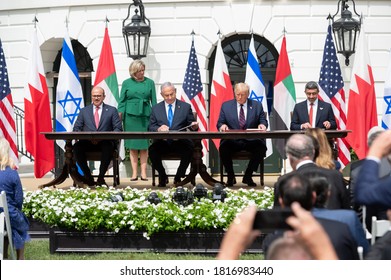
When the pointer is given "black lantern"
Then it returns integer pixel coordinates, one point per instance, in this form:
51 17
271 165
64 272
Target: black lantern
136 33
345 30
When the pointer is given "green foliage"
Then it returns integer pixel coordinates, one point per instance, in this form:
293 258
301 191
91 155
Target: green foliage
87 210
353 155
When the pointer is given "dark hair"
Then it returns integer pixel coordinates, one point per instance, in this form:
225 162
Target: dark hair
320 185
311 85
295 187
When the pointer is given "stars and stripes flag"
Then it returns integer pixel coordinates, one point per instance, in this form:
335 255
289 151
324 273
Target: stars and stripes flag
257 86
192 87
221 90
69 98
284 98
37 113
7 120
331 90
362 111
386 119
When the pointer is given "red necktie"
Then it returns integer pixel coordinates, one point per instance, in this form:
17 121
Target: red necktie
96 117
311 114
242 119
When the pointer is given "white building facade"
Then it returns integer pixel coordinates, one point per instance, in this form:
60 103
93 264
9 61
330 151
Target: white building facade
171 24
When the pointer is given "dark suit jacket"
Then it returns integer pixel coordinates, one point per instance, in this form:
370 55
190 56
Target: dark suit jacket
348 217
183 116
324 113
371 210
339 195
381 250
369 189
339 234
229 115
109 119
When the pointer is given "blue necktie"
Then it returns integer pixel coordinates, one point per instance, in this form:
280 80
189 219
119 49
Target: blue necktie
170 115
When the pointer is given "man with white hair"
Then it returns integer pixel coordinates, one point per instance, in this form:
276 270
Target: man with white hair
300 151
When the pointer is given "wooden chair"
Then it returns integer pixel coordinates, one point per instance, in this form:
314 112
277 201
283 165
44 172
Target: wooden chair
95 156
244 155
170 156
5 227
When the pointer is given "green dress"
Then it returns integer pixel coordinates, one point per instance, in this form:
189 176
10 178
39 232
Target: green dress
135 104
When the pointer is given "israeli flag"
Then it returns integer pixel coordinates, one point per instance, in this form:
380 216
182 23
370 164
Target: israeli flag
386 118
257 86
69 98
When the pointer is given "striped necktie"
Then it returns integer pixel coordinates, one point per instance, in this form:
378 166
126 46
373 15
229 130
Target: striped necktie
242 119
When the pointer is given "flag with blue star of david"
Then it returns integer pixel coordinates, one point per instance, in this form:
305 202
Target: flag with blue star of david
257 86
69 98
386 119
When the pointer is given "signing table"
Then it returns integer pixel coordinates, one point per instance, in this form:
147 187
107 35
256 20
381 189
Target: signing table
197 166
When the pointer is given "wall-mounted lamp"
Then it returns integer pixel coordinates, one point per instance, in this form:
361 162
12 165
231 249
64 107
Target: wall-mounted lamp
136 33
345 30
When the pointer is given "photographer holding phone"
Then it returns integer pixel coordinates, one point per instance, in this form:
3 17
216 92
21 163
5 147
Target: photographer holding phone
307 232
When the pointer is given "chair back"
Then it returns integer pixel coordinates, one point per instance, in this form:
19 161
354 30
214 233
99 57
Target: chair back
379 228
5 227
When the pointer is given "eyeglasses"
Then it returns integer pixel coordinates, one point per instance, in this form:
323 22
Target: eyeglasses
97 96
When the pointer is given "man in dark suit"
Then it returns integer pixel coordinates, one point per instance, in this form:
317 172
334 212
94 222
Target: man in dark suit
97 116
300 152
295 187
384 171
370 189
171 114
313 112
242 113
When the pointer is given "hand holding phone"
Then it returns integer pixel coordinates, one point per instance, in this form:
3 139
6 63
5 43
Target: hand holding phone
273 219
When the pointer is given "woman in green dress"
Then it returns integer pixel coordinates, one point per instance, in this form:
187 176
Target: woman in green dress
138 95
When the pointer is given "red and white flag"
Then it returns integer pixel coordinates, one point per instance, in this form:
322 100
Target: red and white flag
221 90
362 113
37 114
7 120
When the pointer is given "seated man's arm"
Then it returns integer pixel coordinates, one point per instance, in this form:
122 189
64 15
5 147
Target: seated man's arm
191 120
116 121
79 124
331 119
222 121
295 123
154 123
262 121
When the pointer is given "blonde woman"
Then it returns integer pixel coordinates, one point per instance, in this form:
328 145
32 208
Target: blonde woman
325 157
138 95
10 183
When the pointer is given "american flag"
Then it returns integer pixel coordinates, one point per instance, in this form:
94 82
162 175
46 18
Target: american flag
192 87
331 90
7 121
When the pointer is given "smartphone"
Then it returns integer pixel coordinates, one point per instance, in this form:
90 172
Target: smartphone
273 219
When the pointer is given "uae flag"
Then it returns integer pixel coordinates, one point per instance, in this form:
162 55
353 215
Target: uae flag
106 76
284 98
